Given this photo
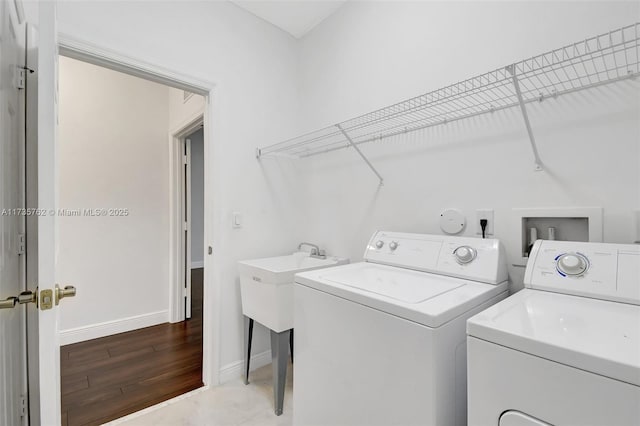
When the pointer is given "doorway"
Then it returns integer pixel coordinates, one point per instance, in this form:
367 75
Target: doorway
187 146
121 349
191 186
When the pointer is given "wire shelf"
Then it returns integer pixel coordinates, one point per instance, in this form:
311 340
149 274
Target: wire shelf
599 60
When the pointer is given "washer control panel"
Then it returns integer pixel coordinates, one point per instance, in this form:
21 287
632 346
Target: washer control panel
465 254
470 258
572 264
599 270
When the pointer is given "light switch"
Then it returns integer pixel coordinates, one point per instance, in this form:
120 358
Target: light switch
237 220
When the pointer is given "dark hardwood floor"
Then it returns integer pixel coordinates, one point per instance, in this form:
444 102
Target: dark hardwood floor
110 377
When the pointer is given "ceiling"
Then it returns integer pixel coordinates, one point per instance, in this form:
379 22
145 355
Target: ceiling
297 17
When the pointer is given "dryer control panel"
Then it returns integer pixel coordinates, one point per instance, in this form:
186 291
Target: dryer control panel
598 270
470 258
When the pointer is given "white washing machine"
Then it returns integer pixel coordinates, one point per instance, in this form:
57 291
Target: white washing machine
566 349
382 342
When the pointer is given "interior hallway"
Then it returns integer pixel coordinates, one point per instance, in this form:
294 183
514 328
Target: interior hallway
107 378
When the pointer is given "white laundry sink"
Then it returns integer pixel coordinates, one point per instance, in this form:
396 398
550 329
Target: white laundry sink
266 286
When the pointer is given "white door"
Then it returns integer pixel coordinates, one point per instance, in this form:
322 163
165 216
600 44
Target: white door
186 203
28 177
44 346
13 384
27 180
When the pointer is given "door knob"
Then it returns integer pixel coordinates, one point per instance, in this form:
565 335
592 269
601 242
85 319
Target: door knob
8 303
61 293
28 297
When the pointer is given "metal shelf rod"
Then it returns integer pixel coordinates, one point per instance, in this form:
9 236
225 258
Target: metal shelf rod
366 160
525 116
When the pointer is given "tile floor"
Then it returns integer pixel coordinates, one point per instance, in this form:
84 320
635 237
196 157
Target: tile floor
231 404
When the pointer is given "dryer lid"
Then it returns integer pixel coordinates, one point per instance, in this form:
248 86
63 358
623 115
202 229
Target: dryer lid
599 336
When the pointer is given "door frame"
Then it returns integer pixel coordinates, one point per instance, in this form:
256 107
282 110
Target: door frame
14 356
177 266
75 48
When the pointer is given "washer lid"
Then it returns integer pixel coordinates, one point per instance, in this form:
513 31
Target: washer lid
599 336
421 297
402 285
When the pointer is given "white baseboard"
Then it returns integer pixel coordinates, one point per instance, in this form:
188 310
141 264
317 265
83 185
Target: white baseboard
93 331
234 370
196 265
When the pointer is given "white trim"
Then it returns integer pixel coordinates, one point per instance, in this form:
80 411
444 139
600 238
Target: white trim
233 371
186 245
197 265
75 48
88 52
187 126
176 216
107 328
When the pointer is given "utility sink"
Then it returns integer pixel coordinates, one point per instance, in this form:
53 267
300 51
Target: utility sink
266 286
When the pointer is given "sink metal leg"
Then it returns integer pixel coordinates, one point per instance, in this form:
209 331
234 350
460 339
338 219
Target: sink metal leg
279 357
291 344
248 337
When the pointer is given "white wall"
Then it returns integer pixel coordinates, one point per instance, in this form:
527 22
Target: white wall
365 56
112 154
371 54
197 197
255 103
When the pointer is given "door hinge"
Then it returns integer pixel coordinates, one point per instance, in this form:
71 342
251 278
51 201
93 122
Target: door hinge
22 244
21 78
23 406
185 226
184 159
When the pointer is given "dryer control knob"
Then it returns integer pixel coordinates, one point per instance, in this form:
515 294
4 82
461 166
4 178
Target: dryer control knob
393 245
379 244
572 264
464 254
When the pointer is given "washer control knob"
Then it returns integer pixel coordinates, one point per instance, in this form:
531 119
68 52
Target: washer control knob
393 245
572 264
380 244
464 254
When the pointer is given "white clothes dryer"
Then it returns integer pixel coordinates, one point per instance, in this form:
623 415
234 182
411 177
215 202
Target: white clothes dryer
566 349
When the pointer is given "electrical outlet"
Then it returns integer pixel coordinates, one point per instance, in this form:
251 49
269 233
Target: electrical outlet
484 214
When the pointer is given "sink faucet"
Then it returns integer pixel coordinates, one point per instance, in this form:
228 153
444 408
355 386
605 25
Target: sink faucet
315 251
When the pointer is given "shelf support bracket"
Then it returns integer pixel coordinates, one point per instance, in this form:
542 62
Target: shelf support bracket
346 135
523 108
